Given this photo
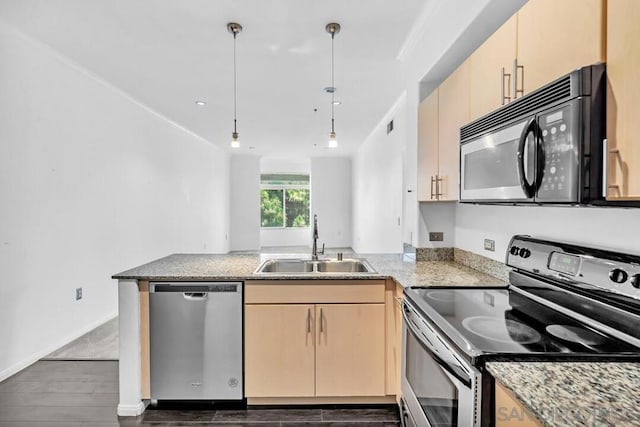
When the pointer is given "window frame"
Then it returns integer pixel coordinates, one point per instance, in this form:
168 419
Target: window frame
285 187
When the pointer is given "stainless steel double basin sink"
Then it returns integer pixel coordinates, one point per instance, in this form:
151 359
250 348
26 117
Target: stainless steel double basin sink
307 266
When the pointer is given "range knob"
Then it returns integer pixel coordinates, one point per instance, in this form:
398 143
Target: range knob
525 253
618 276
514 250
635 281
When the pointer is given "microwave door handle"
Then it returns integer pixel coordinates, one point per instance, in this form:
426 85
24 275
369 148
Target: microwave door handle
540 157
529 189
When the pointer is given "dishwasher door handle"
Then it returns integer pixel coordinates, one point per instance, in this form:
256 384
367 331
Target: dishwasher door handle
195 296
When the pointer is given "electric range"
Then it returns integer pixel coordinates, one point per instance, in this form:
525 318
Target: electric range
563 302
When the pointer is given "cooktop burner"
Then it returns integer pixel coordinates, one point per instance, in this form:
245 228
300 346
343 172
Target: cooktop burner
577 335
501 330
490 321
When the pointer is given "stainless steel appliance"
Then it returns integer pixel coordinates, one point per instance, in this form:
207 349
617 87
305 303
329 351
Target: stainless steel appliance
546 147
196 340
563 301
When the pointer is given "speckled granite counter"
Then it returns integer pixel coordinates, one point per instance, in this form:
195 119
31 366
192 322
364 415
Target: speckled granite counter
407 272
567 394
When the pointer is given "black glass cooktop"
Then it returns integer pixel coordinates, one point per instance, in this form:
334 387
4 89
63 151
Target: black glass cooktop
486 321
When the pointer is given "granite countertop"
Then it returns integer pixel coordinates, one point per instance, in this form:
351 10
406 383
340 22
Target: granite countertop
567 394
241 266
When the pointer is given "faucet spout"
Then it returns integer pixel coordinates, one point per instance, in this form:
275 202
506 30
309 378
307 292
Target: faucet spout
314 248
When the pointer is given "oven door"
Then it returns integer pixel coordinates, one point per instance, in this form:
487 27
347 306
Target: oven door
500 166
438 388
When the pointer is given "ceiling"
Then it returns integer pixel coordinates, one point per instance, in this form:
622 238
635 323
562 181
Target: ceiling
167 54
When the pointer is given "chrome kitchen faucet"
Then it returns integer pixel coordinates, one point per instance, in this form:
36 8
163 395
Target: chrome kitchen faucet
314 248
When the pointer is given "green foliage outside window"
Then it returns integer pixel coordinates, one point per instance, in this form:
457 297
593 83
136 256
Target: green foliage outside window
281 206
271 208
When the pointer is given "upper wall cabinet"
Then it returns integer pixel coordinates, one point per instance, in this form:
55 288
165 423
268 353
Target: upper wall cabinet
428 147
623 99
556 37
440 117
545 40
490 66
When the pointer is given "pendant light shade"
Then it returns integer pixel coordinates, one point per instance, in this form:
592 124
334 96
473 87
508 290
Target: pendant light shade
235 29
332 28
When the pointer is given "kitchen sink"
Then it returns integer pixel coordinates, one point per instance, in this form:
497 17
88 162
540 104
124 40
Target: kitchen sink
306 266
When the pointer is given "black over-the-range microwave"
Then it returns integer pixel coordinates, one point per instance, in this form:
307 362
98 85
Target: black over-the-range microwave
543 148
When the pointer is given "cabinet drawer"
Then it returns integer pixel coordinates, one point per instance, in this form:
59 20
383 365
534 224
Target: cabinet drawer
313 291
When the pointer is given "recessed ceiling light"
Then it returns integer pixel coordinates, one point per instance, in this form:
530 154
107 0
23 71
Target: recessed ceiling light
337 102
201 103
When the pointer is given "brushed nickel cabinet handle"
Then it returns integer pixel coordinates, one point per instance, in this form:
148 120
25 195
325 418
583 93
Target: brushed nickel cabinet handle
309 321
321 317
504 97
432 181
517 67
438 182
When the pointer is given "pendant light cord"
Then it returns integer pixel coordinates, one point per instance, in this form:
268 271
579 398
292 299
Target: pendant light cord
234 84
333 92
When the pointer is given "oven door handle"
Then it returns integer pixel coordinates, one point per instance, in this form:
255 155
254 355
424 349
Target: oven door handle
434 352
529 189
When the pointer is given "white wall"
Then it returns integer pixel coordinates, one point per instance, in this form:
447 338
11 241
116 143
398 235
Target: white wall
245 203
91 183
378 186
331 200
604 227
437 217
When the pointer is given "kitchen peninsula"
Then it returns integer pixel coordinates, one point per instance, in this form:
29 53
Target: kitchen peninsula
379 293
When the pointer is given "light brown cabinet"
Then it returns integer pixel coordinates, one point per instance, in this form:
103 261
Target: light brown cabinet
440 117
322 340
428 147
511 413
623 99
279 350
543 41
350 350
556 37
490 71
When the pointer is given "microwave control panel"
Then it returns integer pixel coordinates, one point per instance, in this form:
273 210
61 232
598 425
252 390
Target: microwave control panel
560 147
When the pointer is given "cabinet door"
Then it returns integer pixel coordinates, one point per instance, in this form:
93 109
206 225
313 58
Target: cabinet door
510 412
623 99
556 37
279 350
427 145
453 113
350 350
485 70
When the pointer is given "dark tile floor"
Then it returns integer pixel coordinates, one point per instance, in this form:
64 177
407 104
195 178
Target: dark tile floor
85 393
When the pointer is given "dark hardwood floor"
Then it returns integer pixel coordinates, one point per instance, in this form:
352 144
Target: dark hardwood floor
85 393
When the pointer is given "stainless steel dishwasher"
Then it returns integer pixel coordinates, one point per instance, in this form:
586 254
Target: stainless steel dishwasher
196 340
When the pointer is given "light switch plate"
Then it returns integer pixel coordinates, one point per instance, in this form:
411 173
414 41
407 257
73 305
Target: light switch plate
436 237
490 245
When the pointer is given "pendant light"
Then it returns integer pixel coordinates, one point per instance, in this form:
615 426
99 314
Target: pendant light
235 29
332 28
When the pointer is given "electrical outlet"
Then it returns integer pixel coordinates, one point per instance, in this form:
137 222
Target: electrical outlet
78 293
490 245
436 237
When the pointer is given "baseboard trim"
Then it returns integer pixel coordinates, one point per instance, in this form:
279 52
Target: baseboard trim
131 410
372 400
17 367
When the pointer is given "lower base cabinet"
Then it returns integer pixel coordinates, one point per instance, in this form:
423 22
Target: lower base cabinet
510 412
326 349
279 350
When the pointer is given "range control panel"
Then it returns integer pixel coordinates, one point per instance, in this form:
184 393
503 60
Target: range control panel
605 269
560 139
